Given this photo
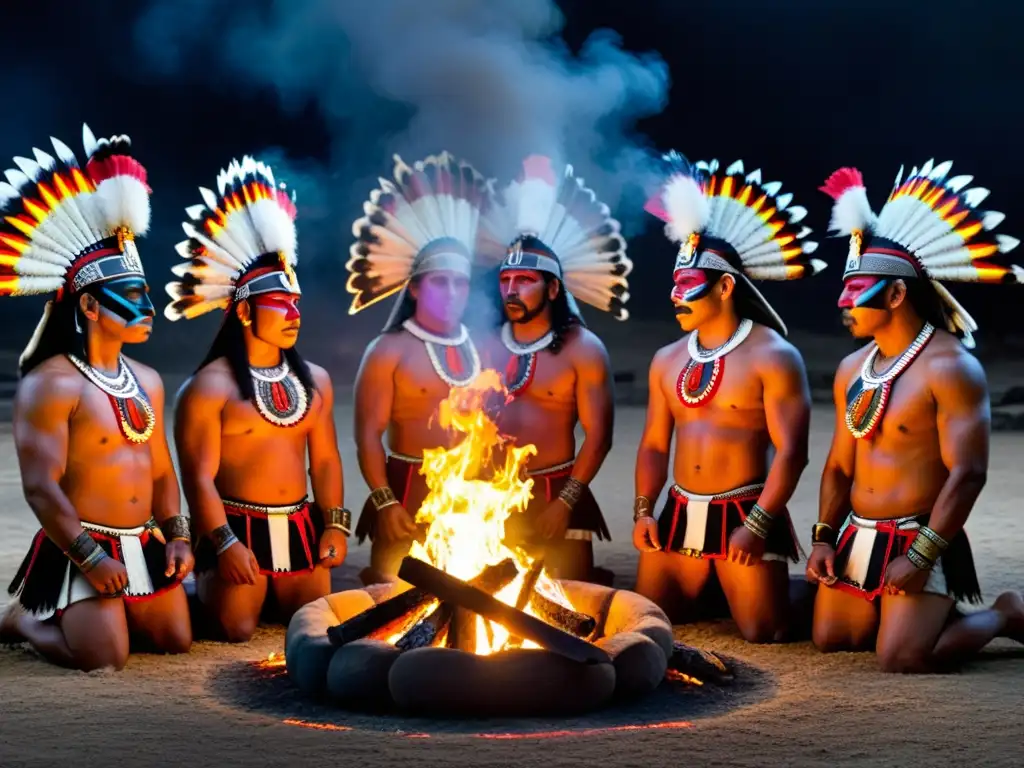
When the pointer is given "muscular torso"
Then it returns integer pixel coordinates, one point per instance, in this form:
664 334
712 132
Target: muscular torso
544 414
107 479
259 462
418 391
899 471
722 444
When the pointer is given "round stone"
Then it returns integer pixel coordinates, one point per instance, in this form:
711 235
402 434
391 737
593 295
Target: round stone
357 676
514 683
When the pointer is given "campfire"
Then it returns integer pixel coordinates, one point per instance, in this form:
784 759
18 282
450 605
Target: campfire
469 502
475 625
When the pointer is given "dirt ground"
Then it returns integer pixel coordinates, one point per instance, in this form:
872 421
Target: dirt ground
789 706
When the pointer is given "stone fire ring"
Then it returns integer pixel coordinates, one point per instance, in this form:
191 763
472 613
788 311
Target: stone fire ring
371 674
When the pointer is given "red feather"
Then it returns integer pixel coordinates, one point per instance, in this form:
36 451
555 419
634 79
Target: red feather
841 181
539 167
116 165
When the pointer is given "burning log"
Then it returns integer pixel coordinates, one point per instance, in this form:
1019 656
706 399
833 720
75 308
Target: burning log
565 619
391 610
462 633
464 595
394 615
525 592
426 631
696 664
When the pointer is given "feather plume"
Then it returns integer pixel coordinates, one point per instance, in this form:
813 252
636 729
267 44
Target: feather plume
250 216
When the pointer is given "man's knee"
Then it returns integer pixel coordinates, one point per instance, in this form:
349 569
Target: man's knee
762 630
239 629
176 638
110 653
904 661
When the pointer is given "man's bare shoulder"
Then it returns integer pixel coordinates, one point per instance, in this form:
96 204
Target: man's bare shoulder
852 362
585 344
951 368
388 347
148 376
54 380
669 352
321 377
773 352
211 383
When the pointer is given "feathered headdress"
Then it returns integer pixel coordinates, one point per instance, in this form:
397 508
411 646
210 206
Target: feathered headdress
735 223
424 219
558 226
930 227
241 243
64 228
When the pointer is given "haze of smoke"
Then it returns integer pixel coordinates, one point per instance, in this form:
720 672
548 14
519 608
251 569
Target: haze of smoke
490 81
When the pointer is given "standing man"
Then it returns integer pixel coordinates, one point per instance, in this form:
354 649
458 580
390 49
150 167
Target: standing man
253 411
554 241
416 239
729 391
113 548
910 452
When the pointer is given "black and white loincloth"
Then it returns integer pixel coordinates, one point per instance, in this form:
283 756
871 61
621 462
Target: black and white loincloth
865 548
699 525
47 582
284 539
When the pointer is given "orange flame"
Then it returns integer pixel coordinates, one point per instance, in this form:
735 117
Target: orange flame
466 514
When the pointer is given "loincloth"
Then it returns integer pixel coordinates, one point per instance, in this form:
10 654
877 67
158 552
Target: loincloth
585 520
409 487
48 583
285 539
699 525
866 547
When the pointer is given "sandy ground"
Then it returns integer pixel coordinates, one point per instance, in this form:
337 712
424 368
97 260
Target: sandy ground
790 705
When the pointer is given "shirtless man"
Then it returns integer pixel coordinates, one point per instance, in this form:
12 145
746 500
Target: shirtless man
245 421
910 452
557 372
417 239
106 566
729 391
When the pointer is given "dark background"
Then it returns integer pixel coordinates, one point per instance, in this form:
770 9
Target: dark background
796 87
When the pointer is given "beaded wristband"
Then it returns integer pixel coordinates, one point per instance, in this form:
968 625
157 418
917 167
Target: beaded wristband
823 533
382 497
759 522
85 553
177 528
223 538
571 492
641 508
339 519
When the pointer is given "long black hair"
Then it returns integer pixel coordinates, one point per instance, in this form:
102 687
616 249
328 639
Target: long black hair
59 334
230 344
925 301
745 301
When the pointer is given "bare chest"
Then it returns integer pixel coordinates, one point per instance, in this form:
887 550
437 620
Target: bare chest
99 425
907 416
728 389
262 420
540 379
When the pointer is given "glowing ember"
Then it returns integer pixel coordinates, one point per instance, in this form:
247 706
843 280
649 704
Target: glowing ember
680 677
272 661
469 501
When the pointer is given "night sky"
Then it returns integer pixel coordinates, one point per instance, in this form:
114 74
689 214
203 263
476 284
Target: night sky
796 87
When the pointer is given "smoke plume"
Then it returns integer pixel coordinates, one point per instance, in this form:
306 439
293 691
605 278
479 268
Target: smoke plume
489 80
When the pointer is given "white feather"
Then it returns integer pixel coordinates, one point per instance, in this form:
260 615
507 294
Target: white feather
851 212
687 206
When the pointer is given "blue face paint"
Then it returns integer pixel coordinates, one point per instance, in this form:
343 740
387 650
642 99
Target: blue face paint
871 293
126 297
